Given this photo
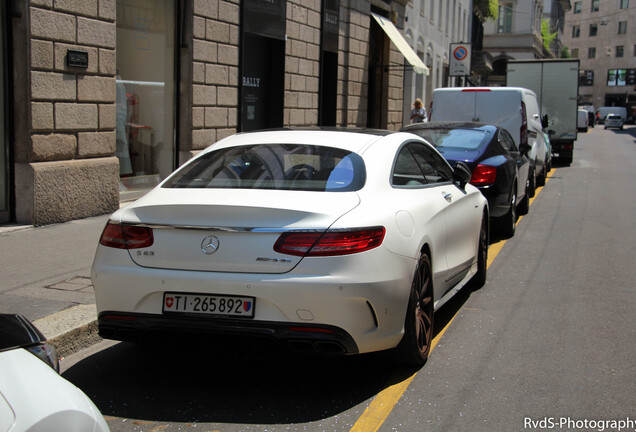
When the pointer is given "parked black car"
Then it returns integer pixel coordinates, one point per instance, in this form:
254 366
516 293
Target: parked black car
499 169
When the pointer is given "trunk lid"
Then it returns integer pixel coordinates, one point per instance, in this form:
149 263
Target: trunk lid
229 230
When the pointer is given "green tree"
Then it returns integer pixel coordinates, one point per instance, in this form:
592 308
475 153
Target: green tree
546 35
565 52
485 9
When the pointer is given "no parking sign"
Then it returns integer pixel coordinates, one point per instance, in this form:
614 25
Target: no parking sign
459 59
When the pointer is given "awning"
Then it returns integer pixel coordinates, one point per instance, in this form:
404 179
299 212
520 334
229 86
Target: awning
393 33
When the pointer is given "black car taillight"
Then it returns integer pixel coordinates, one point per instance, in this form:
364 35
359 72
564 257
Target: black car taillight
126 236
483 175
330 243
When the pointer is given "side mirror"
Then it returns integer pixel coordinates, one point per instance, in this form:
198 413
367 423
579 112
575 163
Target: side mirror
551 132
544 121
525 148
461 173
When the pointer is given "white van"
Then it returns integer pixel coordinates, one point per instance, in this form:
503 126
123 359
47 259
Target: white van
581 120
604 111
514 108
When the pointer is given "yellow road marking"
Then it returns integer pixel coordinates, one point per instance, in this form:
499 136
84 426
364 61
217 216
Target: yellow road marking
380 408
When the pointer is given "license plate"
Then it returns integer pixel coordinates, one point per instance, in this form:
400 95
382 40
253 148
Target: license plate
209 304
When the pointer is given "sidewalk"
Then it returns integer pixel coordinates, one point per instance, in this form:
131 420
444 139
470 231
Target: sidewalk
45 276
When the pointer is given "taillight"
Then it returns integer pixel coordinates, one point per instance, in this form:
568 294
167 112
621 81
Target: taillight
523 130
126 236
483 175
331 243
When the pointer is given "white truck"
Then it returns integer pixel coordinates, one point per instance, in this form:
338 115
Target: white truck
556 84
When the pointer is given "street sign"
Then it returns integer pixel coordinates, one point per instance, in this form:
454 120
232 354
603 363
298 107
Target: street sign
459 59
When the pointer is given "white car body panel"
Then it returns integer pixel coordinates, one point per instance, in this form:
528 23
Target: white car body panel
38 399
365 294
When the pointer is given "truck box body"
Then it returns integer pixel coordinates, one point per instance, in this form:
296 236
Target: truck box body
556 84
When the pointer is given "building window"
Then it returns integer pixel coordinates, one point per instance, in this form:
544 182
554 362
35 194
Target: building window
586 78
576 31
634 50
620 50
595 5
578 6
624 4
622 27
591 52
504 19
593 29
145 96
575 53
616 77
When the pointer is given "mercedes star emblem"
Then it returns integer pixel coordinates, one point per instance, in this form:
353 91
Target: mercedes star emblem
210 245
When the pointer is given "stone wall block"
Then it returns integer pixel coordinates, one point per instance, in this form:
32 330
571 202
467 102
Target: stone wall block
227 96
96 88
95 144
198 27
52 85
61 50
107 62
83 7
198 117
203 138
203 95
68 190
207 8
96 32
198 72
53 147
51 25
41 54
204 51
108 9
216 117
229 12
228 55
107 116
217 31
216 74
42 115
74 116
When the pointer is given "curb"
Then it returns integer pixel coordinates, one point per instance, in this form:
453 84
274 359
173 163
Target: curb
70 330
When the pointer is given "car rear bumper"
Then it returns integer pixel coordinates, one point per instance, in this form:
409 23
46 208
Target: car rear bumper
301 338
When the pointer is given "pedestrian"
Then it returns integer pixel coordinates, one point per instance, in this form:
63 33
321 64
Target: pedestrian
418 113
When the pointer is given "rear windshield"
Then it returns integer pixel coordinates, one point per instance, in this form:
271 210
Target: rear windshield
463 139
274 166
613 116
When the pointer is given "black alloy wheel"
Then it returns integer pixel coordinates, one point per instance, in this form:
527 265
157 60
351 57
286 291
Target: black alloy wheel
508 222
532 186
415 346
479 279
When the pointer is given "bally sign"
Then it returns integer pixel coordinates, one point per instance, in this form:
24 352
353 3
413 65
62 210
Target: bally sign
459 59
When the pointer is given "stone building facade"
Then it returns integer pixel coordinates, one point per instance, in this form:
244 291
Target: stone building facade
107 97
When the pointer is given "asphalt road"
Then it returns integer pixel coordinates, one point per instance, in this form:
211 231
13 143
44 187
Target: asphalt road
547 343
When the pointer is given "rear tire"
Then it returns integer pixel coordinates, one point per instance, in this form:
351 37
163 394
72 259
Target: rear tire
507 223
479 279
415 346
541 178
532 187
